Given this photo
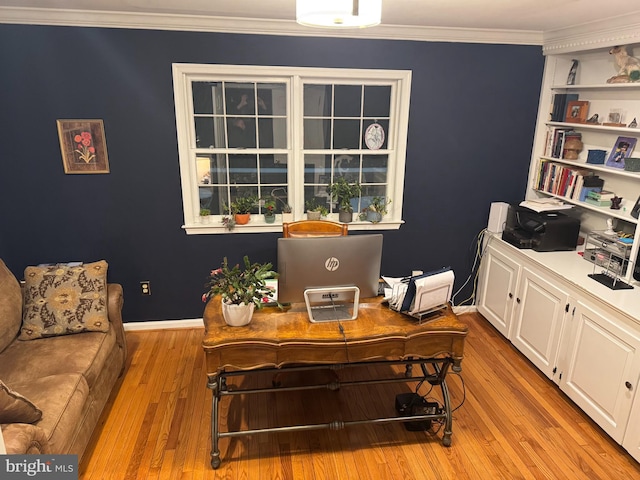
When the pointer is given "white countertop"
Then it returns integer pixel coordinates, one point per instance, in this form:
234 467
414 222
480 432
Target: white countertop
572 268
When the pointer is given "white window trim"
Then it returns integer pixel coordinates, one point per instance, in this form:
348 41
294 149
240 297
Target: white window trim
183 74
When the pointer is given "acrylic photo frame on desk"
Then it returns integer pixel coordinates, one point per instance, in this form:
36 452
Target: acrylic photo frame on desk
621 150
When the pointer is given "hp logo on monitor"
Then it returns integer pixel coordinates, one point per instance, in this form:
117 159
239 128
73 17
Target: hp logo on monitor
332 264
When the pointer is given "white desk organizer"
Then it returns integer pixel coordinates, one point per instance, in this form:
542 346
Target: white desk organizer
428 294
332 304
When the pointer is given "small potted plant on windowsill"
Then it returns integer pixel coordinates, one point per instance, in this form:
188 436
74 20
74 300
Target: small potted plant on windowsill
241 208
204 215
315 211
342 192
241 290
269 210
287 213
376 209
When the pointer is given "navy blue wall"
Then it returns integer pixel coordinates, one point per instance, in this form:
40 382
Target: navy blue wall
473 110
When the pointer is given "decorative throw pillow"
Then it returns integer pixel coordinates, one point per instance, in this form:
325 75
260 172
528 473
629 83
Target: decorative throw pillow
14 408
61 300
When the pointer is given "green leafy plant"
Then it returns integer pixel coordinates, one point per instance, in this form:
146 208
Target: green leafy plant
379 204
242 205
241 285
313 206
204 212
342 192
269 207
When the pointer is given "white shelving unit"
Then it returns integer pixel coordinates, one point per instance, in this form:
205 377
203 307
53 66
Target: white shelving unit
594 68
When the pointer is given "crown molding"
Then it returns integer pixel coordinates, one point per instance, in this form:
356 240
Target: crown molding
620 30
197 23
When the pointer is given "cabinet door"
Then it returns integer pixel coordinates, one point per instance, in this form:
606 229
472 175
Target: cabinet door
497 289
540 312
603 366
631 441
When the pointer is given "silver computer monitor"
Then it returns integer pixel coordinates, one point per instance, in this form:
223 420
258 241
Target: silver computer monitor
322 262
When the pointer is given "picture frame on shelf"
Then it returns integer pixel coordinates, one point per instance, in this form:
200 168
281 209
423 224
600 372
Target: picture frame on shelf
615 118
83 146
621 150
577 111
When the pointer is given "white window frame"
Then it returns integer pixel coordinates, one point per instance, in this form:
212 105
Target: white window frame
295 77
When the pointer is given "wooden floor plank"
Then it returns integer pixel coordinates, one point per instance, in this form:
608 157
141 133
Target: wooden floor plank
514 424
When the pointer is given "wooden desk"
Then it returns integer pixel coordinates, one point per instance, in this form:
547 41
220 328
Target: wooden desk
286 340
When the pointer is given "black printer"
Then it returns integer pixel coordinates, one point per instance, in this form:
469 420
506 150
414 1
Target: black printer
542 232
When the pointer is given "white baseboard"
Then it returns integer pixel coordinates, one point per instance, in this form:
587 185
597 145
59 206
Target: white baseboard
465 309
164 324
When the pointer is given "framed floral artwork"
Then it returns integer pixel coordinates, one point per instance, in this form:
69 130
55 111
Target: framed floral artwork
83 146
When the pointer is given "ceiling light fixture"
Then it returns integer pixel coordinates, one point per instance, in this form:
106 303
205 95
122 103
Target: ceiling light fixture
339 13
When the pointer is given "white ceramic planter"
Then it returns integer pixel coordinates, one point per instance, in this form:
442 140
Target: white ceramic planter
237 315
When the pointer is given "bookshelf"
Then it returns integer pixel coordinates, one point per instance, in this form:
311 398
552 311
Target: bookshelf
594 68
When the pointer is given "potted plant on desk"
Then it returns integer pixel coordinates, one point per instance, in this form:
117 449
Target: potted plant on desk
241 290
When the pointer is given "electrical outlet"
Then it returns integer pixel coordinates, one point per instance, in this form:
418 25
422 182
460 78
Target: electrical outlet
145 287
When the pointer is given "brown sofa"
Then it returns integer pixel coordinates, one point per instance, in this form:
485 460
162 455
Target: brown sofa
68 378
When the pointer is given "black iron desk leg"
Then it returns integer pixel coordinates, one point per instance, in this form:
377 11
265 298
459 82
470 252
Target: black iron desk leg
214 385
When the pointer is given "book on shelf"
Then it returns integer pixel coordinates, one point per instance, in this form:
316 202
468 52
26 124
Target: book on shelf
585 191
597 203
559 179
601 195
559 106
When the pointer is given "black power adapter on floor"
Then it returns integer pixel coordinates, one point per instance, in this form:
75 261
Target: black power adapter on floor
411 404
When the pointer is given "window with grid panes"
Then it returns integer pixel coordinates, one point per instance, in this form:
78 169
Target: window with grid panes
288 133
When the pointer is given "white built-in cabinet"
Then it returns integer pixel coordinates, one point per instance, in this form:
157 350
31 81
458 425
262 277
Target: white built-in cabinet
581 334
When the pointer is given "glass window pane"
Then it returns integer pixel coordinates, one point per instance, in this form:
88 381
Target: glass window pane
377 101
202 97
317 169
207 97
240 98
346 134
347 101
317 134
317 100
209 132
204 132
213 198
273 169
318 195
243 169
375 168
272 132
385 135
242 132
272 99
347 166
238 192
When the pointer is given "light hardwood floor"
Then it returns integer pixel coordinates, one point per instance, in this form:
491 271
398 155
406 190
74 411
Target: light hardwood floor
514 424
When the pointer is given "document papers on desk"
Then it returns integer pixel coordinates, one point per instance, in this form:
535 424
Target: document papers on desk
420 294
